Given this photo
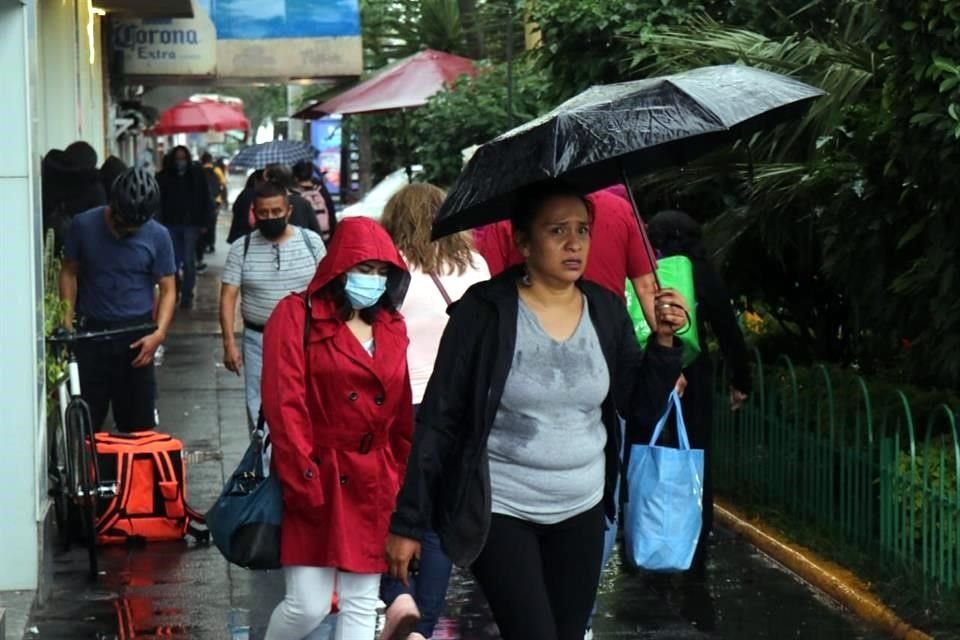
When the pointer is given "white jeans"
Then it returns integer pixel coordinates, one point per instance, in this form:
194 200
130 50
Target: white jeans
252 369
307 603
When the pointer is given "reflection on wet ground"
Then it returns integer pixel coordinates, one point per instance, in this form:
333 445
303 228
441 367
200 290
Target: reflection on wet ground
180 591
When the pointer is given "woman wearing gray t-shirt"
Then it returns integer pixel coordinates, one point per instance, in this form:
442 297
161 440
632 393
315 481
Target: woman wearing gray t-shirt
515 452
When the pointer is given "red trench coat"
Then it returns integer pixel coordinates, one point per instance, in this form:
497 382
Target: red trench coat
341 423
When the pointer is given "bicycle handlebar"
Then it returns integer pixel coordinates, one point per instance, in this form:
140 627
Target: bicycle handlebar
67 337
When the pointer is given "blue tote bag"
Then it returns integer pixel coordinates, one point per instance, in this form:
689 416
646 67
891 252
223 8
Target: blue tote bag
664 511
245 521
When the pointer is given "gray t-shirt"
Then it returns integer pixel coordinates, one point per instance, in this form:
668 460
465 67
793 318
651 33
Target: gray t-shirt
546 446
270 271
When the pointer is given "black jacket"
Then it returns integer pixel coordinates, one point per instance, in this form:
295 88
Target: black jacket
186 199
447 485
714 309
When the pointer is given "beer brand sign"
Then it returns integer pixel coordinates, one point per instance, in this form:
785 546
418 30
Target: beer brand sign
171 47
246 40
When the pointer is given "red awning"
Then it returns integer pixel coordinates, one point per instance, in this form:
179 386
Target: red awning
199 117
405 84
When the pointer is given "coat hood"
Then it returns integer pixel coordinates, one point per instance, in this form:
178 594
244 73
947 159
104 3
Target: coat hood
358 240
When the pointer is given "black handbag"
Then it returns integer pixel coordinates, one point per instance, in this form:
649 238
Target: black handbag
245 520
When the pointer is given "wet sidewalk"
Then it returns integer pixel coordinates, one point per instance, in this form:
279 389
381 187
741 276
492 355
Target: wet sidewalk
177 590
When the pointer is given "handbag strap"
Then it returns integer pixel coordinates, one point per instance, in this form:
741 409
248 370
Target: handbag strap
673 403
443 290
261 420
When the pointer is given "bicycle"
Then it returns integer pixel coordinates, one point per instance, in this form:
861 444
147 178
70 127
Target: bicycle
73 471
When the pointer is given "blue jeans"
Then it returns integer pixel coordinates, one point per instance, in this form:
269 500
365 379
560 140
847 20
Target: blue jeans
428 587
185 256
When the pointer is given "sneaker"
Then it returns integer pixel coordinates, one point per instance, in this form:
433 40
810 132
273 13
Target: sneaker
202 267
588 635
402 618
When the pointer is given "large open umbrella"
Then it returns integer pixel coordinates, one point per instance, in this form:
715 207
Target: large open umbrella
406 84
598 138
192 116
288 152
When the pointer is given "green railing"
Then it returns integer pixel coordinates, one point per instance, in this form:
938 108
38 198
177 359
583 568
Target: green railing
856 472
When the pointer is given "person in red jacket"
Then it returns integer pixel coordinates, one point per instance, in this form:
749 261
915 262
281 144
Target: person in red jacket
341 425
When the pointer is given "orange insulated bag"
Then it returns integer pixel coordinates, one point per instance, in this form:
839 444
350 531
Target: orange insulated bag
150 477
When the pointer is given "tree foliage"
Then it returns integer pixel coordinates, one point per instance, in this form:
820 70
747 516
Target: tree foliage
844 226
472 112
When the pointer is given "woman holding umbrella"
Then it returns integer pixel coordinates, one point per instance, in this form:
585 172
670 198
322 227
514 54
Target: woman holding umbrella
515 452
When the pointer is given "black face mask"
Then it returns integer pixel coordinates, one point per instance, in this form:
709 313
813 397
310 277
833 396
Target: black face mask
272 228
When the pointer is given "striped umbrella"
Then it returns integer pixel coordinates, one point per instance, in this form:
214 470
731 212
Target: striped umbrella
287 152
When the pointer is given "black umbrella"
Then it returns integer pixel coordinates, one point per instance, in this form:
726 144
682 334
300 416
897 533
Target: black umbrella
596 139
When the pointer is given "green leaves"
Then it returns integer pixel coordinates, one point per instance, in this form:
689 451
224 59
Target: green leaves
472 112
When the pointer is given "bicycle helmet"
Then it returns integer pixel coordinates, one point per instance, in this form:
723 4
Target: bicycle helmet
135 197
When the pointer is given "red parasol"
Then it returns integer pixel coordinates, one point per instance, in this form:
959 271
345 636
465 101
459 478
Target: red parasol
405 84
198 117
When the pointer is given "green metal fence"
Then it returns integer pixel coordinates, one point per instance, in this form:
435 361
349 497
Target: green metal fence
859 472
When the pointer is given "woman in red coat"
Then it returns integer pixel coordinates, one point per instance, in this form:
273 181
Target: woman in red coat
337 399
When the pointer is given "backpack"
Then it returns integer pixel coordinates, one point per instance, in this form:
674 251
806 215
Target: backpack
315 197
214 186
150 501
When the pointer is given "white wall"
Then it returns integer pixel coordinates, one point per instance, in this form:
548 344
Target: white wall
70 91
59 77
20 331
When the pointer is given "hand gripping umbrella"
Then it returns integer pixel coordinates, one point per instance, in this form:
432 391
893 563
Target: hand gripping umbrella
600 137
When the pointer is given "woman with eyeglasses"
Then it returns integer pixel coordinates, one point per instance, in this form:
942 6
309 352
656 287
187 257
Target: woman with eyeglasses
336 394
264 266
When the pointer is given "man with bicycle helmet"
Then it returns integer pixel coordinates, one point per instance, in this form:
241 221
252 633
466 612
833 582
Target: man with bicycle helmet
113 258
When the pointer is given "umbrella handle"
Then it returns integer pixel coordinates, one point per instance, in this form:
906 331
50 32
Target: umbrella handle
647 247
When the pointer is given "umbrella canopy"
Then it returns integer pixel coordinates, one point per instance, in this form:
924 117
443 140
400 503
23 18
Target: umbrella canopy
288 152
405 84
596 138
199 117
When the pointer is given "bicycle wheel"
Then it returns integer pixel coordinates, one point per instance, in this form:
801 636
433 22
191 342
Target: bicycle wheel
86 478
58 479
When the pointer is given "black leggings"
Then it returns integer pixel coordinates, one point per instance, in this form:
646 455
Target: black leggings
540 580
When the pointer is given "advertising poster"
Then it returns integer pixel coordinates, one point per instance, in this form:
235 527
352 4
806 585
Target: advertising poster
325 137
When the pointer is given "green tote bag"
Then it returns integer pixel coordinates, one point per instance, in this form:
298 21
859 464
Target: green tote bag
675 272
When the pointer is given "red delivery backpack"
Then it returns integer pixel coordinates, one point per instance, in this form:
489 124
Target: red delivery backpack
150 476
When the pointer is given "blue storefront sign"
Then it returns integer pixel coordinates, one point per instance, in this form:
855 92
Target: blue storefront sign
260 19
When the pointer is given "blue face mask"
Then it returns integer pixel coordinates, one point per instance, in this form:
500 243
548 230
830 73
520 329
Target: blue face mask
364 289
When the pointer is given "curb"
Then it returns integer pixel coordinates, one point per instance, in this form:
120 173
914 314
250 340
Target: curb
837 582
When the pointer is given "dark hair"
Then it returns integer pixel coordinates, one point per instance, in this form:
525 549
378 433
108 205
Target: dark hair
82 154
269 189
675 233
303 170
336 291
206 157
180 147
253 179
110 170
530 199
279 173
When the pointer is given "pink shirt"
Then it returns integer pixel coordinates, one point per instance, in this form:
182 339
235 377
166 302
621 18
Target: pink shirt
425 313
